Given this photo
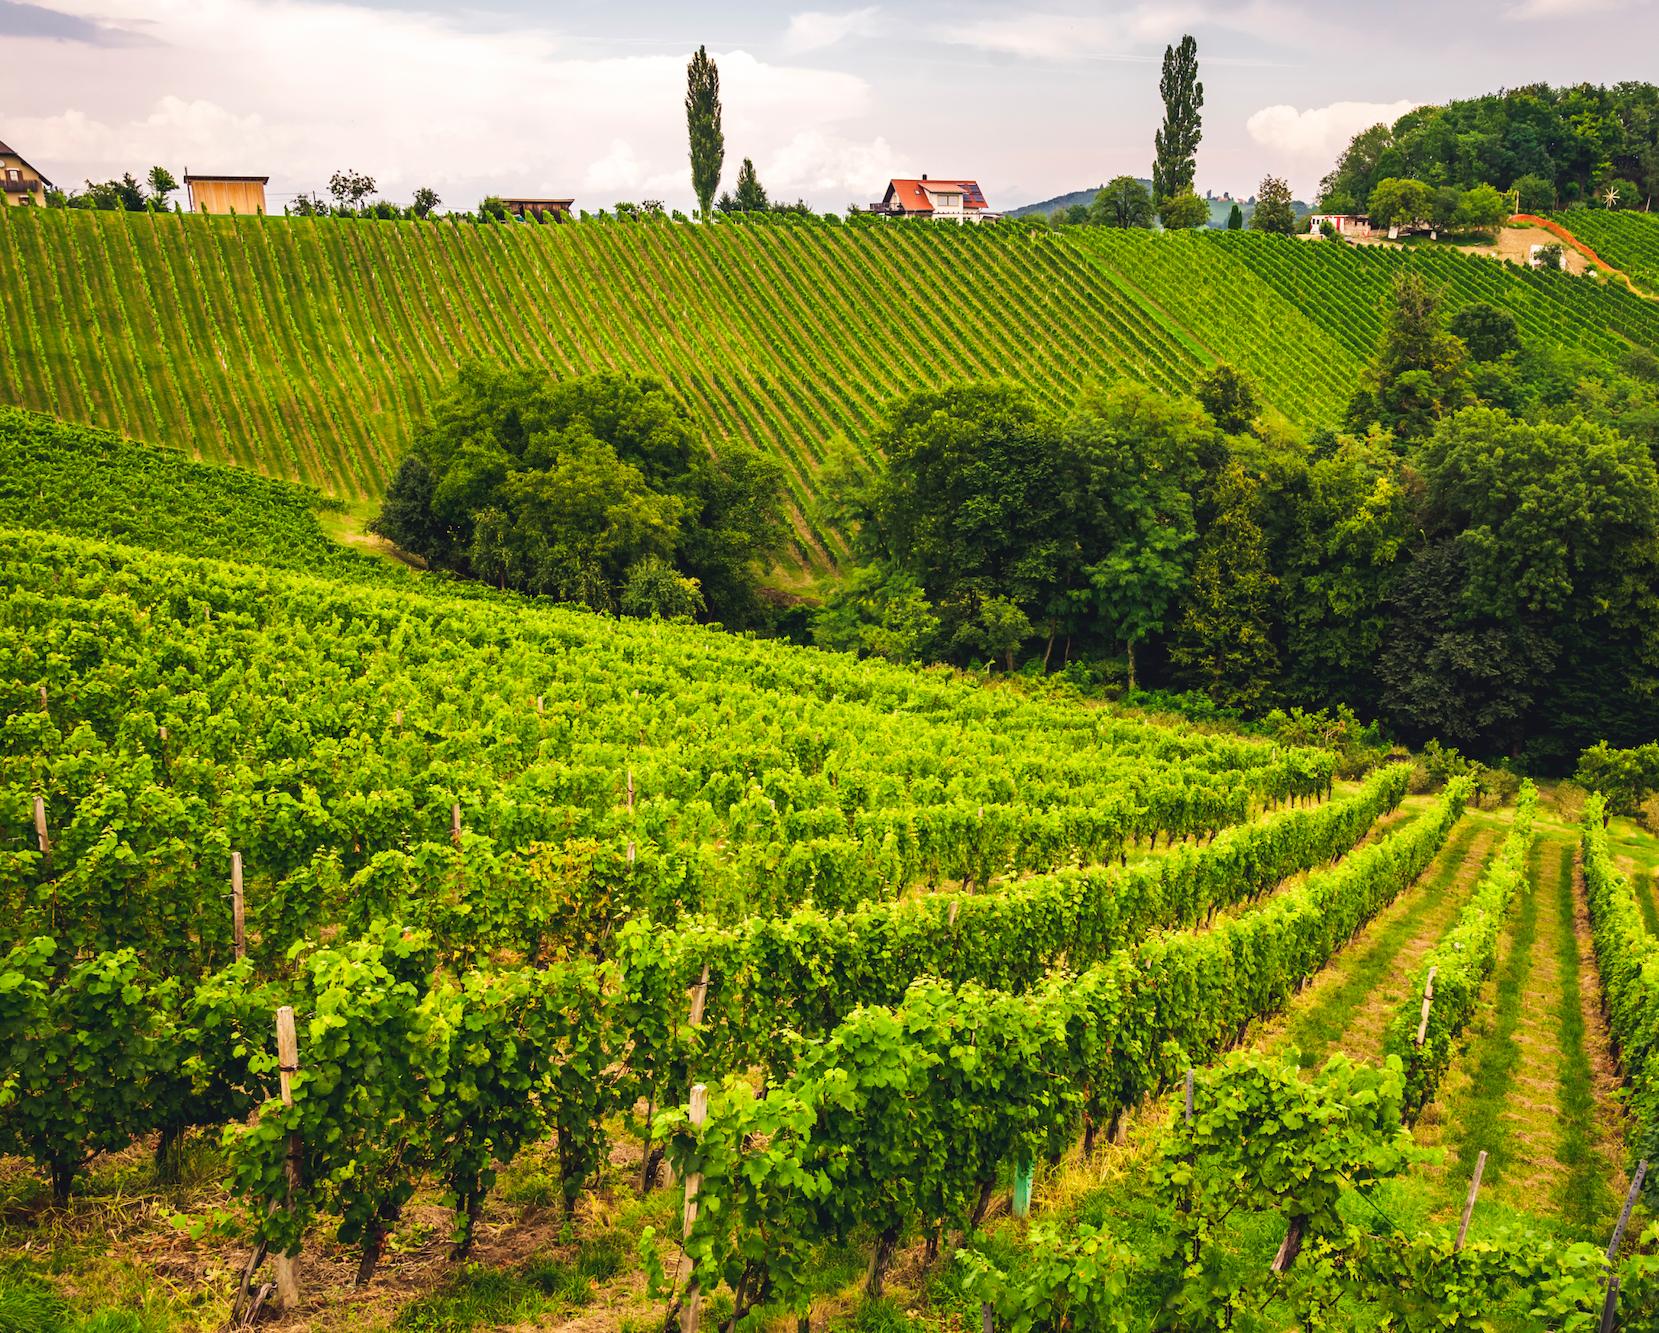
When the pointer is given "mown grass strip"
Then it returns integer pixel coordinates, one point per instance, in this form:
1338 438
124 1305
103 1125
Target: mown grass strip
1478 1124
1584 1196
1367 965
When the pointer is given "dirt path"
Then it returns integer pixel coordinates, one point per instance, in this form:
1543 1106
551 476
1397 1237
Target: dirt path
1348 1005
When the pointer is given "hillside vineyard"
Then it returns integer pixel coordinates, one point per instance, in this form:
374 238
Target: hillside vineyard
309 348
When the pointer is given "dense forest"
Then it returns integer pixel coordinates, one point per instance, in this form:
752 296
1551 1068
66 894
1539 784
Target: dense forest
1472 556
1557 146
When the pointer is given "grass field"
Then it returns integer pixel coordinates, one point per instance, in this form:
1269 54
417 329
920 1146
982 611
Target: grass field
308 348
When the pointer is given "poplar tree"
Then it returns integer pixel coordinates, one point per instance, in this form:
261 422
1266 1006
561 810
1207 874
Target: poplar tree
1176 142
702 118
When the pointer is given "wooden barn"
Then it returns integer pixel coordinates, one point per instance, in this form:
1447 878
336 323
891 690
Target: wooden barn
244 195
548 210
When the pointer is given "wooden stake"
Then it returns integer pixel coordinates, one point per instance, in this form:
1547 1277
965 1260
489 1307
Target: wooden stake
1469 1203
954 905
699 998
538 703
288 1064
397 717
43 707
630 789
630 851
238 933
1189 1094
1428 999
41 835
455 823
698 1113
987 1324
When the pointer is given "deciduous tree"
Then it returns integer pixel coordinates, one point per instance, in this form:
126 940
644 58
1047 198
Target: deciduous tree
1123 202
1274 210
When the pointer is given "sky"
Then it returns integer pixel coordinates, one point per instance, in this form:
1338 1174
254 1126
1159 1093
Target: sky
584 97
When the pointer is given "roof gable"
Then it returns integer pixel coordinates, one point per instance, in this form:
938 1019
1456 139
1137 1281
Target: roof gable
12 152
913 195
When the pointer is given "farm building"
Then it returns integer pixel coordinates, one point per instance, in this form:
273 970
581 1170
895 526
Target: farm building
555 210
19 182
227 194
1344 224
958 200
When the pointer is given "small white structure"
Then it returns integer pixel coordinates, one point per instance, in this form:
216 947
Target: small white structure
1537 259
1343 224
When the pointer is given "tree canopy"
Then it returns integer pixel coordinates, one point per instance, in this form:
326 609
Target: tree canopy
1123 202
1274 208
1558 146
586 489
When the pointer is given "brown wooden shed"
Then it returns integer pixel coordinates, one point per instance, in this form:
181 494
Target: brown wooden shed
556 210
244 195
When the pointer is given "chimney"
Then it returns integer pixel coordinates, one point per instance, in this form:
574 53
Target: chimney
924 175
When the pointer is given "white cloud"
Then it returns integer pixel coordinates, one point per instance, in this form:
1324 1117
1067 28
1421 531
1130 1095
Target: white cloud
816 29
1067 36
297 88
836 170
1320 132
1563 9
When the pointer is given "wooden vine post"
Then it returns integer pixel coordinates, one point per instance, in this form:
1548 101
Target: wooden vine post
43 706
1469 1203
42 837
239 937
455 823
1428 1001
697 1114
288 1064
630 791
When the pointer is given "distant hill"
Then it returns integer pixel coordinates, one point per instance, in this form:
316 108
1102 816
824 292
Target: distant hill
1220 205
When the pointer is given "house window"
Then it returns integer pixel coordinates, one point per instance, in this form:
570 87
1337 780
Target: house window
13 174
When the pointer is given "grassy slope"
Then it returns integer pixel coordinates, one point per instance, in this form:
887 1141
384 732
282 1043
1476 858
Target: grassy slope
306 348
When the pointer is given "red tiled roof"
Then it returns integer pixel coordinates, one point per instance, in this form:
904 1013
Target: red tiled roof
912 195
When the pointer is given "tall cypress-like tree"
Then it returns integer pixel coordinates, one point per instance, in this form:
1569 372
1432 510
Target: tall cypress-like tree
702 119
1176 142
751 194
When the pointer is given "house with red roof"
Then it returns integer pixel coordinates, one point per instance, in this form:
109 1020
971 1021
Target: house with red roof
955 200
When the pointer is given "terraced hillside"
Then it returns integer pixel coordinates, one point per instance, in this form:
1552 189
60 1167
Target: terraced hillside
306 348
1628 241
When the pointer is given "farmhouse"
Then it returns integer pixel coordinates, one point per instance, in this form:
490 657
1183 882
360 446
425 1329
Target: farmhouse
19 182
958 200
554 210
227 194
1344 224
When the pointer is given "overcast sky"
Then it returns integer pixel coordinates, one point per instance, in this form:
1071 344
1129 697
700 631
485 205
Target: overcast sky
583 97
